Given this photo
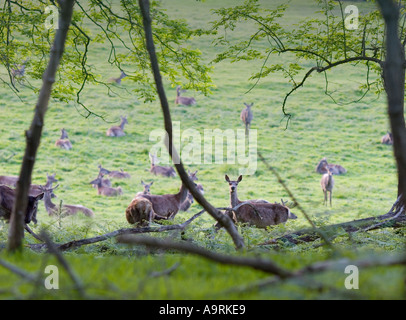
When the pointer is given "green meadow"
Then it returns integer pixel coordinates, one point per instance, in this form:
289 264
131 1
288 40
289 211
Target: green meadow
345 132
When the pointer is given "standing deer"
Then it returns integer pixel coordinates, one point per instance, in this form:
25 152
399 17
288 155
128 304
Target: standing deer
117 131
257 213
323 166
387 139
168 205
118 80
7 198
140 212
246 117
65 209
106 191
63 142
160 170
327 184
186 101
114 174
18 71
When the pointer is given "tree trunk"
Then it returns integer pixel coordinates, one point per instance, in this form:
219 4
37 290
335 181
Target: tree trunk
33 135
394 82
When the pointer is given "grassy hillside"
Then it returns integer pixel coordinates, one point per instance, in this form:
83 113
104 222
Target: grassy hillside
347 133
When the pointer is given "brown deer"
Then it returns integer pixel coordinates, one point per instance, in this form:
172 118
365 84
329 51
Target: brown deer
63 142
257 213
117 131
189 199
10 181
35 189
168 205
118 80
114 174
327 184
140 212
18 72
147 188
65 209
387 139
336 169
246 117
160 170
186 101
106 191
7 198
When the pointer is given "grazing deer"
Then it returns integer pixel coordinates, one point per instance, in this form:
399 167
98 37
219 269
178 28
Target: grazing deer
7 198
114 174
257 213
327 184
323 166
168 205
63 142
106 191
160 170
117 131
186 101
118 80
65 209
147 188
387 139
189 199
140 212
246 117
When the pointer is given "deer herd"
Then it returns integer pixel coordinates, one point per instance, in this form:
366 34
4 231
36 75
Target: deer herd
146 207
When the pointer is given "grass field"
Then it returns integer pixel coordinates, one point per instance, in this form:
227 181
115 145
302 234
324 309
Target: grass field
346 133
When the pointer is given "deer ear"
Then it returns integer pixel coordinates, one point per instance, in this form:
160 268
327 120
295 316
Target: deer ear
239 179
227 178
142 182
151 183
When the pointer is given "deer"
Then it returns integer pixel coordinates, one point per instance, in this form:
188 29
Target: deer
117 131
327 184
147 188
34 190
168 205
18 71
256 213
10 181
114 174
141 213
387 139
106 191
246 117
7 198
65 209
118 80
160 170
189 199
323 166
63 142
186 101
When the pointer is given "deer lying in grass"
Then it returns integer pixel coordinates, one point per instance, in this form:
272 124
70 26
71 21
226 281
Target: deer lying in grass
117 131
246 117
186 101
114 174
334 168
65 209
160 170
7 198
63 142
168 205
106 191
147 188
387 139
257 213
118 80
327 184
189 199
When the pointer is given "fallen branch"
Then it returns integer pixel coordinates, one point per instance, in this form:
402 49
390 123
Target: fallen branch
78 243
